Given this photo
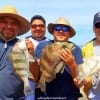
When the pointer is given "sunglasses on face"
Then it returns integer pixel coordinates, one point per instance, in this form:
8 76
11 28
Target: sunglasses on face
39 25
63 28
97 25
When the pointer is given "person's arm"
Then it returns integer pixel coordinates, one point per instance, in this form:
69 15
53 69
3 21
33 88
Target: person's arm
69 60
72 67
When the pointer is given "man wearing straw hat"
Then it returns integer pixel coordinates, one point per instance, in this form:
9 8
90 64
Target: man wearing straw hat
11 25
56 80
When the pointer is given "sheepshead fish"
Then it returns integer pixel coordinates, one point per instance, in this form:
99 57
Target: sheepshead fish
50 62
20 58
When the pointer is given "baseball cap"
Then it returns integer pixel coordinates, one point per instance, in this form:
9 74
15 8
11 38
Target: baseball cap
96 18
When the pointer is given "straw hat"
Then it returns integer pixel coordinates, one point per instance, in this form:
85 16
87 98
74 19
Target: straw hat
61 21
12 12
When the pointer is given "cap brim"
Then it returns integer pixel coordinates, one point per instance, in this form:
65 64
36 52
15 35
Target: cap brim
24 24
96 22
52 25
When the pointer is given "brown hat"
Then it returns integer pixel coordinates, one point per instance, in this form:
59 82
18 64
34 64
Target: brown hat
61 21
11 11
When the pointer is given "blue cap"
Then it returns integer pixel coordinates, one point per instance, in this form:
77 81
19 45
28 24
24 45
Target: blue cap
96 18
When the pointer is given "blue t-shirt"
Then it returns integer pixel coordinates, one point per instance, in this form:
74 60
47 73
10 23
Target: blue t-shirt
11 87
63 85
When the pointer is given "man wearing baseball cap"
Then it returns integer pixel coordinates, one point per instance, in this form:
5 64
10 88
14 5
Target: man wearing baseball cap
11 25
89 50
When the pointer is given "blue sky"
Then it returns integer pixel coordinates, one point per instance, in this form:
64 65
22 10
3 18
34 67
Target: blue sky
80 13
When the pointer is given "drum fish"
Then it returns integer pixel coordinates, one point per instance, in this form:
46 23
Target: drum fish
90 66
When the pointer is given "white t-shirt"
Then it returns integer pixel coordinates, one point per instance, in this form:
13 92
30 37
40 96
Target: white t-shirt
97 50
36 42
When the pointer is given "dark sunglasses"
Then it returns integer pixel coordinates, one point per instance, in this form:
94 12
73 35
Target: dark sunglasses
39 25
97 25
63 28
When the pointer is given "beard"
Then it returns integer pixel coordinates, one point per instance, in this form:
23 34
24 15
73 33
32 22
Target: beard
7 37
